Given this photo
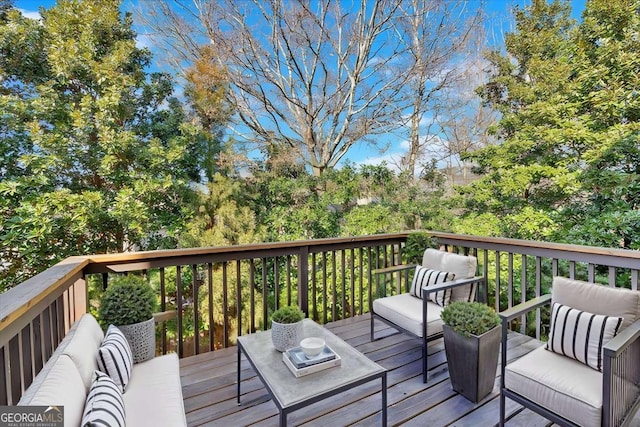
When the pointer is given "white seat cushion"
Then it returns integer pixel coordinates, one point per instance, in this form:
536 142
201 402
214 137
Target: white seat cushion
405 311
154 393
565 386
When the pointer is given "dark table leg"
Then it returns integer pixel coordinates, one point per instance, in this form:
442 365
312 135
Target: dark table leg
384 399
283 418
238 369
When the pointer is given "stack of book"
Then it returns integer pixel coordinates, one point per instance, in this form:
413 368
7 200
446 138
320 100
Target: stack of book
301 365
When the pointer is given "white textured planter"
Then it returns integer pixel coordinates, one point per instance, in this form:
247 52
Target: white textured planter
285 335
142 339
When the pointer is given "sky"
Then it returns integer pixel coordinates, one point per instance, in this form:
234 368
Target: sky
499 12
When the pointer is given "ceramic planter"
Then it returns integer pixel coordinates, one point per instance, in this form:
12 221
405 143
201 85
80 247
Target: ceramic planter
142 339
285 335
472 361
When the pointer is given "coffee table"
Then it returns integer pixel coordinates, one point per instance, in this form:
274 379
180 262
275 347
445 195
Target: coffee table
290 393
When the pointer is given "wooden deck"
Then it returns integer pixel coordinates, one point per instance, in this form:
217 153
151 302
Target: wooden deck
209 388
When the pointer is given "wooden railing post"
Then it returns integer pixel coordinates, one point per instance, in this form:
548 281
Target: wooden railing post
303 279
80 298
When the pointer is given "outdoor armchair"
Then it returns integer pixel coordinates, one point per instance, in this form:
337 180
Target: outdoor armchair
569 380
416 310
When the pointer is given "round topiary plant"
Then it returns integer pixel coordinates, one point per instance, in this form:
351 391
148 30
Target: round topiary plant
127 300
287 314
470 318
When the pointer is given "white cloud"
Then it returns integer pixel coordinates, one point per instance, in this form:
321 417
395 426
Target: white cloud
31 14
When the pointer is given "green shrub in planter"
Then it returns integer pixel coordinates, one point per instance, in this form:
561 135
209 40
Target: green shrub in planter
470 318
287 314
127 300
286 327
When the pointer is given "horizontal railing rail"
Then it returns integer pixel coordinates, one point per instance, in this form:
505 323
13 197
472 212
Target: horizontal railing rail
208 296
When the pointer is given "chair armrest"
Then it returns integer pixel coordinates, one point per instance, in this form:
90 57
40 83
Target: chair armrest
624 339
621 377
450 284
393 269
525 307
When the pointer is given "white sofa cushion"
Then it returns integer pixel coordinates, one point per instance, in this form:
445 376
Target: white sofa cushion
115 358
562 385
154 394
405 311
597 299
104 405
580 335
464 267
61 385
83 346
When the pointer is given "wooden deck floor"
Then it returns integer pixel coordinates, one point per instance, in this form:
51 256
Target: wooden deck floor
209 388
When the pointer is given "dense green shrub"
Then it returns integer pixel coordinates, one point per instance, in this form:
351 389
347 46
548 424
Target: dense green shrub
470 318
287 314
127 300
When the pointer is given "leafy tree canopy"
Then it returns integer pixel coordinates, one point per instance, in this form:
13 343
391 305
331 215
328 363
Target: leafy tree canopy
567 168
95 154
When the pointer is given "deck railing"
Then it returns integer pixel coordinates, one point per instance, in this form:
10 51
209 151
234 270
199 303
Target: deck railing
210 295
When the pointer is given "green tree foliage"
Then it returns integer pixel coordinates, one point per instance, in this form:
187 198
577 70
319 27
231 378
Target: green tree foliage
95 152
567 167
205 90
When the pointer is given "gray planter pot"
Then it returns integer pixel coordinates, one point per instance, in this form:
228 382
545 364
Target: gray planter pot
472 361
285 335
142 339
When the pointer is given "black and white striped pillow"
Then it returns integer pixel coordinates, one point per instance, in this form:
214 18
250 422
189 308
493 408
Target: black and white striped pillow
115 358
104 405
425 277
580 335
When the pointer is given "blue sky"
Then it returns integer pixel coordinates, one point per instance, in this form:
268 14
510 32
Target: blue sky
499 12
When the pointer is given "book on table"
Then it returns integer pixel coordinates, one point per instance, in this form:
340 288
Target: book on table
301 365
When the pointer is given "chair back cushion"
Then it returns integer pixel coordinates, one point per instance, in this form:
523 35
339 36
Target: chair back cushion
463 267
83 347
597 299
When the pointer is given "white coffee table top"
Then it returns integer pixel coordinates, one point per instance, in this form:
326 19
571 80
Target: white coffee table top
288 389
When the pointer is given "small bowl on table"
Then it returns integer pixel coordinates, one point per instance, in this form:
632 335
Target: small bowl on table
312 346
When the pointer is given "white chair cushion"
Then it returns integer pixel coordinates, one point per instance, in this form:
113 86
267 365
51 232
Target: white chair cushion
115 358
426 277
104 406
580 335
464 267
155 380
599 299
83 346
62 385
565 386
405 311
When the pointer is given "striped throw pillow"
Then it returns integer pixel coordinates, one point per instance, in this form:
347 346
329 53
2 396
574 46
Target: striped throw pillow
104 405
580 335
425 277
115 358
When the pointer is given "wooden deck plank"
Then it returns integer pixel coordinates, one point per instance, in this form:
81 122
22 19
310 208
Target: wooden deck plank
209 387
